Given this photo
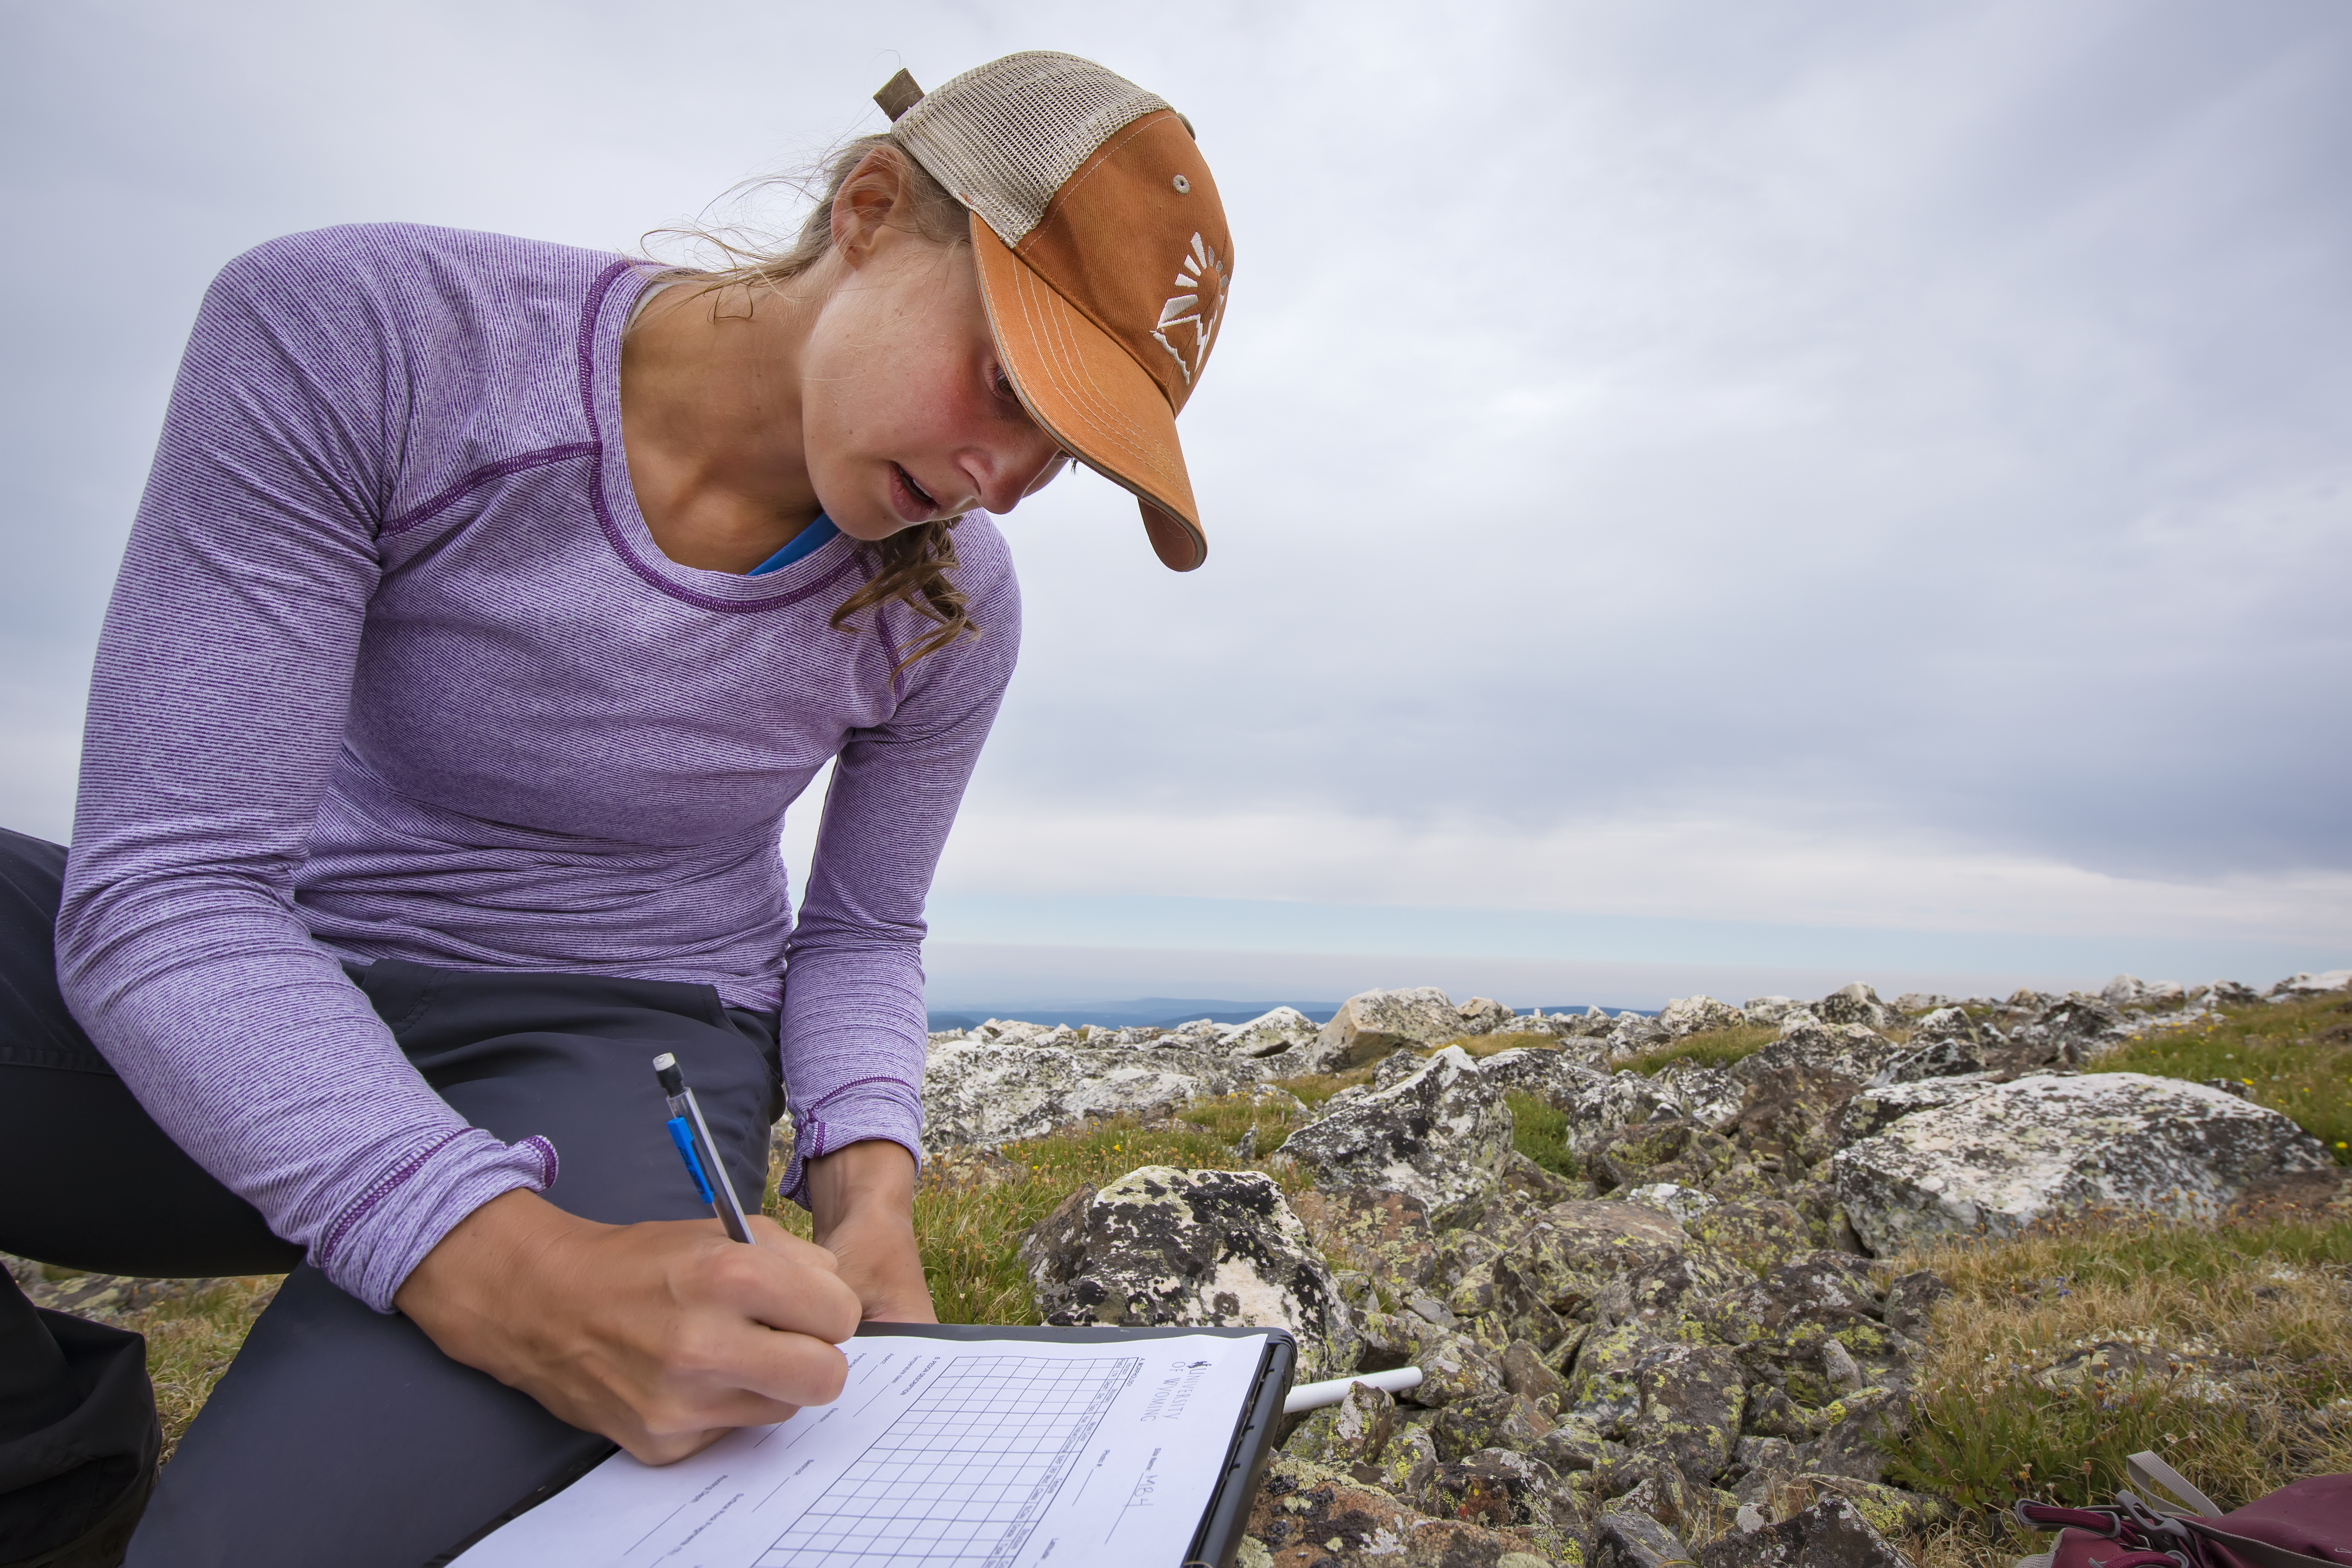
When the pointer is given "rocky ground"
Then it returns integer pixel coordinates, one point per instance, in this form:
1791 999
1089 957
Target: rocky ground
1681 1340
1663 1274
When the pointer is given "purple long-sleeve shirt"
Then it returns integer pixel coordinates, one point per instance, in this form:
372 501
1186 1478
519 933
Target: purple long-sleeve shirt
394 670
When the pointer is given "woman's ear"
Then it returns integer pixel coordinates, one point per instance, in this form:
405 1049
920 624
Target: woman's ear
866 202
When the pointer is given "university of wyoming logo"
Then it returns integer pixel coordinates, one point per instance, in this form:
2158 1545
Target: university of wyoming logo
1188 321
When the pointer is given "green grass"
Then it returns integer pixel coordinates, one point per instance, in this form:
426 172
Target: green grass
1990 1432
1540 1133
1709 1048
2294 1057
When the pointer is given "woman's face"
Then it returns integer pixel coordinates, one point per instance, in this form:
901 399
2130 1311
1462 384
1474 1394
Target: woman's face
906 414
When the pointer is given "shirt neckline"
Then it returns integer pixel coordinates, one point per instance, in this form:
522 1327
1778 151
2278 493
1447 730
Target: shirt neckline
603 318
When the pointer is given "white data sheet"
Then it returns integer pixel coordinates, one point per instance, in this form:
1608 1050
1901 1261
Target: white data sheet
939 1453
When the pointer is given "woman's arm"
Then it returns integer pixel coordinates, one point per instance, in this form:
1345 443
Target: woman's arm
853 1019
216 712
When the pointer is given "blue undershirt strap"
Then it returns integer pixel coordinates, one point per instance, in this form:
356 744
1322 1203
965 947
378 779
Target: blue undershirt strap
807 542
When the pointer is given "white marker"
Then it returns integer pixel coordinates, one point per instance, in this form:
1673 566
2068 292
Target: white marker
1316 1395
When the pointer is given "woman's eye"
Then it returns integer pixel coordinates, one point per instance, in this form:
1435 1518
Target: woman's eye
1004 385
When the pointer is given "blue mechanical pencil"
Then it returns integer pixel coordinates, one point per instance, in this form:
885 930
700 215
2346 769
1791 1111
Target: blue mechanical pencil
686 1129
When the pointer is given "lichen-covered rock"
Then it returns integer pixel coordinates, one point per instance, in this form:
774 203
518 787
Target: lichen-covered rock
1667 1396
1951 1057
1483 1016
1356 1431
1666 1149
1309 1516
1911 1301
1441 1136
1525 1372
1368 1027
1210 1249
1890 1511
1708 1096
1503 1420
1377 1232
1854 1431
1848 1051
2042 1146
1831 1533
1855 1004
1270 1033
1874 1109
1555 1073
1627 1539
1791 1114
1690 1014
1760 1232
1598 1106
1572 1252
1767 1010
1503 1489
987 1093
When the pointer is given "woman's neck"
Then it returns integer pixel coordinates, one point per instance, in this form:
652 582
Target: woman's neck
711 419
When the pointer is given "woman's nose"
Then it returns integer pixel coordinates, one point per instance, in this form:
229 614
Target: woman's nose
1019 473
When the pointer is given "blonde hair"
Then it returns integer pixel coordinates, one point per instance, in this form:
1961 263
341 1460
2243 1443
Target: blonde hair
914 565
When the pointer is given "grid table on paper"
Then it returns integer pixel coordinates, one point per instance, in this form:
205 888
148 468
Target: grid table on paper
963 1474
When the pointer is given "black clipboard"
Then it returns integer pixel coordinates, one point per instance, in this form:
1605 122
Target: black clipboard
1218 1541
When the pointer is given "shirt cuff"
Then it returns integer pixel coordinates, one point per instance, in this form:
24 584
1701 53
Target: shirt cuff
385 1233
862 1109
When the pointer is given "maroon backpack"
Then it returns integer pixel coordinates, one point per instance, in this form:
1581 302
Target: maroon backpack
2306 1525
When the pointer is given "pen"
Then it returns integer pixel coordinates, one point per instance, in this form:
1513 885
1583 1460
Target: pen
686 1128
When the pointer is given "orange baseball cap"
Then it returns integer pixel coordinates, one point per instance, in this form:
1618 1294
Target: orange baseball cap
1104 258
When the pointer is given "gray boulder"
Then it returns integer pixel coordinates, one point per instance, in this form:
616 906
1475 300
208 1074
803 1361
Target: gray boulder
1483 1015
2296 985
1952 1057
1853 1051
1197 1248
984 1093
1368 1027
1767 1009
1831 1533
1559 1075
1625 1538
1856 1004
1691 1014
1441 1136
1270 1033
2044 1146
1874 1110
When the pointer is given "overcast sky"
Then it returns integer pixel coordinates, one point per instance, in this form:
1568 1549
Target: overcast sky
1698 494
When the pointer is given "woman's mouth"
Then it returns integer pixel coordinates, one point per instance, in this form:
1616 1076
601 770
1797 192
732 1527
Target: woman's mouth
912 500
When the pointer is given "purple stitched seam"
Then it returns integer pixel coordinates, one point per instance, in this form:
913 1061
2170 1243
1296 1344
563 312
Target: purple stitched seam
547 1158
382 1190
483 476
834 1094
613 536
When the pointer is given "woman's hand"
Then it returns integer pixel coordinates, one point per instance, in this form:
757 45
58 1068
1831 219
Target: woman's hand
663 1336
863 1201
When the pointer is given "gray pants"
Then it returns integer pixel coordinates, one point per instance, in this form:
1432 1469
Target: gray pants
337 1435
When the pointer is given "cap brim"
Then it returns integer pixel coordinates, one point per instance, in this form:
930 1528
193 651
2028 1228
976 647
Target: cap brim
1091 397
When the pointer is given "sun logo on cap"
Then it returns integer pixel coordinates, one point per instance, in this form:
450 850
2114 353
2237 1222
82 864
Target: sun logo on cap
1192 316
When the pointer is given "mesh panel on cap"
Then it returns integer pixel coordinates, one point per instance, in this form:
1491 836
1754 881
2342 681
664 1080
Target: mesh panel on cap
1002 137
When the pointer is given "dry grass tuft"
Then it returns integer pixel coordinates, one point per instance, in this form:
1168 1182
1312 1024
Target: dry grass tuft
2227 1350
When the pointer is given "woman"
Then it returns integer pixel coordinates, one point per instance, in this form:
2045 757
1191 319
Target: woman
489 603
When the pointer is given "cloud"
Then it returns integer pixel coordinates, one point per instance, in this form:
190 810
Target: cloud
1879 468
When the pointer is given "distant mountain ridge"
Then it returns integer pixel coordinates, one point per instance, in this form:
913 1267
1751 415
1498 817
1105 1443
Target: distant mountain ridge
1159 1013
